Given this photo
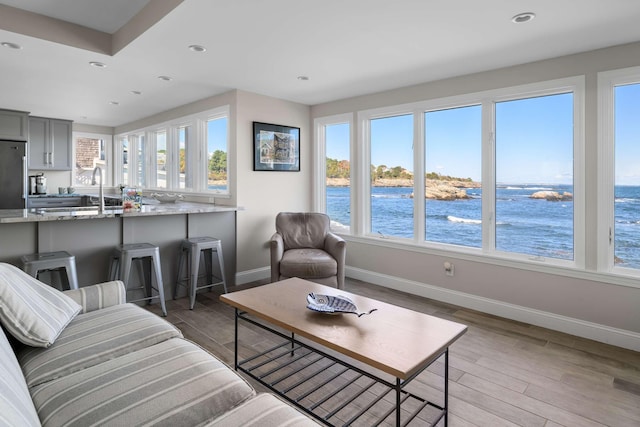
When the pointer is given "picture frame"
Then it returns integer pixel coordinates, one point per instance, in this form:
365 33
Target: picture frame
276 147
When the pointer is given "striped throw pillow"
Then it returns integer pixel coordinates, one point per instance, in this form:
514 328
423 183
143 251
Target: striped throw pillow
31 311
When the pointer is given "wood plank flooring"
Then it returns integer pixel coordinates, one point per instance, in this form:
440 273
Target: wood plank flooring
502 372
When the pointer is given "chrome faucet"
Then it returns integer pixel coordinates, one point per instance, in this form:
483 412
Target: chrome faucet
101 193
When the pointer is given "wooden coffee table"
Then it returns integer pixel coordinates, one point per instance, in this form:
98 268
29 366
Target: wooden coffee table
393 341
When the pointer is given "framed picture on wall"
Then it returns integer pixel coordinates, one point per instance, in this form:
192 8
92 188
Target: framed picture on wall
276 147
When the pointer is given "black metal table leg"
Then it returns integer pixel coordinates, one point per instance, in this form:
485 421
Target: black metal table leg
446 387
398 402
235 362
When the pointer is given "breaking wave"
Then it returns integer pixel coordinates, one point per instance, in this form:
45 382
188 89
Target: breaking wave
464 220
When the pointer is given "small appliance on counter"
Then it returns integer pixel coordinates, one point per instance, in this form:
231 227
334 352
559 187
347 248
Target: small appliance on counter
37 184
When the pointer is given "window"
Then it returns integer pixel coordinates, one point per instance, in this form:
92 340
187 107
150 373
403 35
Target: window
141 162
185 169
335 171
187 155
391 177
90 152
534 145
124 150
501 173
161 159
453 159
619 157
627 175
217 166
338 175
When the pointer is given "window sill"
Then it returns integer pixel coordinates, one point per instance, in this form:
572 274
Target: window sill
618 278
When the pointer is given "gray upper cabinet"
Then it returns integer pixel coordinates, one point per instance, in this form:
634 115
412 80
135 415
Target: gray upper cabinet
50 144
14 125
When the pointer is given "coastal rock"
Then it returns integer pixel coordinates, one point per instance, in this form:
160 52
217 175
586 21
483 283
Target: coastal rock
445 192
552 196
434 189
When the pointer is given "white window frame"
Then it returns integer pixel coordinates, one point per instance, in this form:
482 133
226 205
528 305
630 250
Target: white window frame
361 155
109 172
574 85
319 196
364 176
203 155
196 151
607 82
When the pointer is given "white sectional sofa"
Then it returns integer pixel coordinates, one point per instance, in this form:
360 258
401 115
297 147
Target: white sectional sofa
85 357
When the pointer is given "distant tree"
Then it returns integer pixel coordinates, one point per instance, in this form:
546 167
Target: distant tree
338 168
437 176
182 160
218 165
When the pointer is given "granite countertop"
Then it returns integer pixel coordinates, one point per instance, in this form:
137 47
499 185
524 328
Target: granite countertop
91 212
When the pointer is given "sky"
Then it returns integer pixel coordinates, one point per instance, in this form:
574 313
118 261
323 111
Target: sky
534 140
627 134
217 135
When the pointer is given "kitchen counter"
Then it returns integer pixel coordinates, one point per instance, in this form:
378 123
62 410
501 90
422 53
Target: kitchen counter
91 212
91 235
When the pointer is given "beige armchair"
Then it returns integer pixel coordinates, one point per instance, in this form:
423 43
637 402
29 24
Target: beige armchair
303 246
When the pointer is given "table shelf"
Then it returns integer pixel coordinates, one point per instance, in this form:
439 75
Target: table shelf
332 389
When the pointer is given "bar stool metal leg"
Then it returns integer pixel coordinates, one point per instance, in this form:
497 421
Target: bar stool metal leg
148 256
157 271
52 261
193 250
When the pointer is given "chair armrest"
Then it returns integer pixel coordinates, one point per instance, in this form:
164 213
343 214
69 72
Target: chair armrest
99 296
276 245
336 246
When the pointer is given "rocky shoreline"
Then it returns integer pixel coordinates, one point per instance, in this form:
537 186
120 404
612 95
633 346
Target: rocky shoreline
435 189
448 189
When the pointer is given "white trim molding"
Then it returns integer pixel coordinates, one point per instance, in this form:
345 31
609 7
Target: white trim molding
594 331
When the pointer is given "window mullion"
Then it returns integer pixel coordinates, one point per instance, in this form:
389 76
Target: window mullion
419 148
320 173
488 177
363 191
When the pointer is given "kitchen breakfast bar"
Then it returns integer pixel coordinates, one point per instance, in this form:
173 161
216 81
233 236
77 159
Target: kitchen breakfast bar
92 235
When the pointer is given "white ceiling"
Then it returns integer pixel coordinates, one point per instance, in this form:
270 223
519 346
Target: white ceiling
107 16
346 48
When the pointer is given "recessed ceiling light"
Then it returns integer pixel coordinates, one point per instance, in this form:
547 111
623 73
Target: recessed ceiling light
98 64
136 92
11 45
523 17
304 78
165 78
197 48
114 103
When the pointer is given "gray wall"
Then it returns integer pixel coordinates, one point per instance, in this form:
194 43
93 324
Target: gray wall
581 303
584 303
260 194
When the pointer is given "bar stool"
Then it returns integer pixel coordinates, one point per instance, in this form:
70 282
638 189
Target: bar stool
52 261
192 248
148 256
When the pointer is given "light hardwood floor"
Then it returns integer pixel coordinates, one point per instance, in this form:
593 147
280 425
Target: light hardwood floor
502 372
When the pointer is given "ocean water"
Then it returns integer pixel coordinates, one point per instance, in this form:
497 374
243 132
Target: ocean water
528 226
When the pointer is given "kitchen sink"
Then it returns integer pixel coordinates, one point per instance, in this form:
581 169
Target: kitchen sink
77 209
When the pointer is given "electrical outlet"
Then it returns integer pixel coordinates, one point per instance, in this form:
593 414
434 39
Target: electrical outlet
448 268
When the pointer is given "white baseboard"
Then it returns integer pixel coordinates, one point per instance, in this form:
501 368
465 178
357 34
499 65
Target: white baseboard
594 331
253 275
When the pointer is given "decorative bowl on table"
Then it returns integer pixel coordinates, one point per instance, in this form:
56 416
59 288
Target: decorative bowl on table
167 197
333 304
